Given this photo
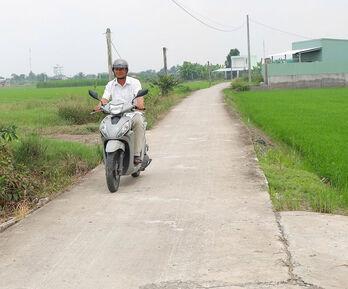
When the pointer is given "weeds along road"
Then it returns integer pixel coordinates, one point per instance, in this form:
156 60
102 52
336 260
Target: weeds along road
198 217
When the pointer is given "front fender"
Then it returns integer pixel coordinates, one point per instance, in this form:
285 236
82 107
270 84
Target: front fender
114 145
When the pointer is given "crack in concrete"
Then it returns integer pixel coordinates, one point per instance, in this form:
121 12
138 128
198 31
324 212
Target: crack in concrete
294 279
177 284
248 284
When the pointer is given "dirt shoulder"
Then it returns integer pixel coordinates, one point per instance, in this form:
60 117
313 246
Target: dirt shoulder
90 139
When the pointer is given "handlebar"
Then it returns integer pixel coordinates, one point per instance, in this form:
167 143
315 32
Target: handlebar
101 110
95 111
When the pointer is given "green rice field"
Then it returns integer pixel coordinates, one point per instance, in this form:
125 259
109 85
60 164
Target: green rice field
312 122
34 108
37 108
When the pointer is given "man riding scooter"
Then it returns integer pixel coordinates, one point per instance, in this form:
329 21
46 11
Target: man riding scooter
124 88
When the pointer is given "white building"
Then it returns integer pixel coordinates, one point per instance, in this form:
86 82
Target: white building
239 63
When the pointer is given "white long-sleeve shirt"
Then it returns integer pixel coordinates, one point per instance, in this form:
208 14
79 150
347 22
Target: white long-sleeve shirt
116 92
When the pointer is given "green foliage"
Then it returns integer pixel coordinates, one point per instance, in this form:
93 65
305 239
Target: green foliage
240 84
35 167
256 74
233 52
313 122
8 133
166 83
78 111
15 180
71 83
29 150
195 71
292 187
37 109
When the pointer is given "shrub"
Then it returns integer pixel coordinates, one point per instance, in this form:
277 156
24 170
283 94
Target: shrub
165 83
71 83
8 133
15 181
29 150
240 85
256 78
77 111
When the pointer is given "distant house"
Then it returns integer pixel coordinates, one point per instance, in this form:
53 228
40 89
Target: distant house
239 63
4 82
312 63
59 77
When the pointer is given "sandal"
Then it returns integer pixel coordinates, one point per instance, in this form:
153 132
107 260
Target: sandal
137 160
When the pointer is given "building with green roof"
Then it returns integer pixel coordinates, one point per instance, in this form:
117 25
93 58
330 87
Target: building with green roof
312 63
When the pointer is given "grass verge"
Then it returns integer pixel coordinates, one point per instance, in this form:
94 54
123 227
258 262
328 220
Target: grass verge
296 182
35 167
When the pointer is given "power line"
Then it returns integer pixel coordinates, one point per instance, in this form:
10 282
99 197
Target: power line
204 23
279 30
212 20
115 49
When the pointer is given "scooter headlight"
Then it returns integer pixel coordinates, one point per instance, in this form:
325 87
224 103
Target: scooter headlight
125 128
102 128
116 108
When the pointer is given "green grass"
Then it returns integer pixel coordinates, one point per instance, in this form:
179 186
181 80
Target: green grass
50 110
312 125
71 83
32 150
37 109
34 167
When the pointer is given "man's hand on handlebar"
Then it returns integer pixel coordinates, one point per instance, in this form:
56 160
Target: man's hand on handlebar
140 103
98 107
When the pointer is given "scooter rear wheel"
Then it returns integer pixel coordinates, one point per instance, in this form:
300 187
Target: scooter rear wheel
112 176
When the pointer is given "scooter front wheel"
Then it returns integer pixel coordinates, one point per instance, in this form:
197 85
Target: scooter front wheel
112 176
136 174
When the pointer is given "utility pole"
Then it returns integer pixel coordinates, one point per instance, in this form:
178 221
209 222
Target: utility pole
29 59
165 61
108 43
264 50
231 67
249 58
209 73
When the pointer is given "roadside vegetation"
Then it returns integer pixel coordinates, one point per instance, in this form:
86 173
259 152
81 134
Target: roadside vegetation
305 158
33 168
71 83
34 165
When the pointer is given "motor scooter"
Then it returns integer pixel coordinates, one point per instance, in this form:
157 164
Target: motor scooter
118 141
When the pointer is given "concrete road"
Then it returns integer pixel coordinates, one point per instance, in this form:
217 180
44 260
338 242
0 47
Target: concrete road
199 217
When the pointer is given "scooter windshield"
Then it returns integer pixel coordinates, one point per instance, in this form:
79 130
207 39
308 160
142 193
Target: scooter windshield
115 108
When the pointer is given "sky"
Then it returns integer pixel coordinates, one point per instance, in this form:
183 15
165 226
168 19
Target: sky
71 33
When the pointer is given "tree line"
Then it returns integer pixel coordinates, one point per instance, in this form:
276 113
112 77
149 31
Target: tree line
188 71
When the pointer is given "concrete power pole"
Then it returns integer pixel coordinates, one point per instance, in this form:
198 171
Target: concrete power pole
209 73
165 61
249 58
108 43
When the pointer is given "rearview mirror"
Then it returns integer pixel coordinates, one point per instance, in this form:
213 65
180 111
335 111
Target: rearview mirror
93 94
142 92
